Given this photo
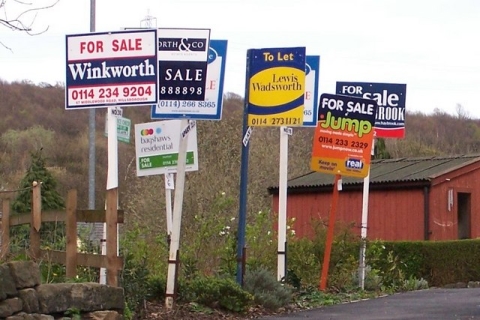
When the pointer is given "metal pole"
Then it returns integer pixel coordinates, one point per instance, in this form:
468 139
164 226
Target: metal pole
242 211
242 215
330 234
91 132
363 247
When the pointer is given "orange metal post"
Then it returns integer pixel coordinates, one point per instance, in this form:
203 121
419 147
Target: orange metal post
330 233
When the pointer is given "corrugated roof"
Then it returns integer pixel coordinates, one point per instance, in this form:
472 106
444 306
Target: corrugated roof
391 171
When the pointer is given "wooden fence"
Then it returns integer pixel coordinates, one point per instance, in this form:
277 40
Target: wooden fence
71 258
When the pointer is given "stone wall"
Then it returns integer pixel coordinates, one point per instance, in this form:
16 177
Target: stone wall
22 296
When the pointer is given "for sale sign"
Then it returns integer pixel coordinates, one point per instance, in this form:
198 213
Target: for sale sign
183 55
211 107
343 138
111 68
390 97
157 145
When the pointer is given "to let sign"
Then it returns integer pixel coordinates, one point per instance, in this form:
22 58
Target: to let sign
276 86
343 138
114 68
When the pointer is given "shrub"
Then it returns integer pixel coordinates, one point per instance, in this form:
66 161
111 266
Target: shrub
304 261
451 261
133 279
305 256
267 291
414 284
292 279
340 274
224 293
372 281
261 242
156 287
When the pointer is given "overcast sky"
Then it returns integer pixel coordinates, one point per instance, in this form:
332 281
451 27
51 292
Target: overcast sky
432 46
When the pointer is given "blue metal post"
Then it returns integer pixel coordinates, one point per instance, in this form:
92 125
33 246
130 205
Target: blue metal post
242 214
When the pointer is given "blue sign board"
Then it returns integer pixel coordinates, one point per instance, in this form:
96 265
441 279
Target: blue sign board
390 97
210 108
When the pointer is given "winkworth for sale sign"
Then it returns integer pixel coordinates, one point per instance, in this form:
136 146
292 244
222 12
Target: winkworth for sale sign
111 68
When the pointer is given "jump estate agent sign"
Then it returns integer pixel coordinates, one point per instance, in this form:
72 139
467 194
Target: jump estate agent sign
276 86
183 55
157 144
343 137
390 97
312 72
211 107
111 68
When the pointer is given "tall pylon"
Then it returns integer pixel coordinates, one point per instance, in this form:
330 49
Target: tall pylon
149 21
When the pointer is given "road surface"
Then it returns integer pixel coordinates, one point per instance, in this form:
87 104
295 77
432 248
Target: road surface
431 304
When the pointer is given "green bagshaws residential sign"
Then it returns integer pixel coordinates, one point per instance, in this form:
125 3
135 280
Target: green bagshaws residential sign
157 144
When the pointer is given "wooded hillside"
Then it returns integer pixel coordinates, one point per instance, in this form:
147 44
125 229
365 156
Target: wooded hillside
34 116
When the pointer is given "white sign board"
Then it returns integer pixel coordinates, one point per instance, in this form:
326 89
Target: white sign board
157 144
111 68
123 129
312 72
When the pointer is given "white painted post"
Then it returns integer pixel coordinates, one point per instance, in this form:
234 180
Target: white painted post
282 204
177 216
169 186
112 178
363 247
112 173
103 242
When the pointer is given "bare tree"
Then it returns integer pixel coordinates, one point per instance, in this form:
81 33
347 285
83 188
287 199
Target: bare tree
461 112
24 20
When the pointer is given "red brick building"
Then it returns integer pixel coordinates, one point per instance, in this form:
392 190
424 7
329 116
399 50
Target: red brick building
429 198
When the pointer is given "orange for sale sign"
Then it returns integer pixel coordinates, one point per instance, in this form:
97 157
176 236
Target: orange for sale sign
344 135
